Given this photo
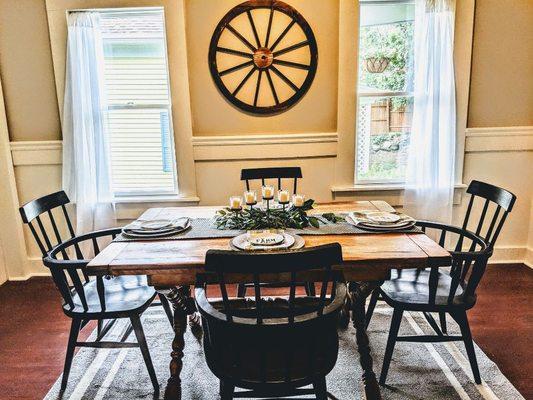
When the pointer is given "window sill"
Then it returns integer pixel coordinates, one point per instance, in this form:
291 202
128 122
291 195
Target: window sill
379 187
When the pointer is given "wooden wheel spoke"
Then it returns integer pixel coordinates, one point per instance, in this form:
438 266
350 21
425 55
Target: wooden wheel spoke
240 37
236 68
285 31
269 26
292 64
272 88
234 52
258 50
291 48
244 80
284 78
256 36
257 87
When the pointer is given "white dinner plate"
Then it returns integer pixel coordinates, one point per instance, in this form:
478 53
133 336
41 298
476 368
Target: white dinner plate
242 242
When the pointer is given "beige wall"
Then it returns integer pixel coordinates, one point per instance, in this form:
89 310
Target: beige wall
32 111
501 92
213 115
26 71
501 89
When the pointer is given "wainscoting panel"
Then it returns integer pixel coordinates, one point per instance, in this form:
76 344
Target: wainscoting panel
503 156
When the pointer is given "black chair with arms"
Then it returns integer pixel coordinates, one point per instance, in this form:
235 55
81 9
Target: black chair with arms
35 210
273 347
99 299
450 293
278 173
502 204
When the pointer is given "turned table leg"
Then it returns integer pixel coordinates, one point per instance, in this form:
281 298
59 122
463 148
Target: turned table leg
183 305
359 291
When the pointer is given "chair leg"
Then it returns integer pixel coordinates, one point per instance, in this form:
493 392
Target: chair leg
320 389
310 289
370 310
391 341
139 333
462 320
226 390
443 326
241 290
100 325
72 339
166 307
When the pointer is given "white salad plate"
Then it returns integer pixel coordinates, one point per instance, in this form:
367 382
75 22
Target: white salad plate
242 242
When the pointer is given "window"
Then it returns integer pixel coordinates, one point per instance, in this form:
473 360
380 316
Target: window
139 118
384 90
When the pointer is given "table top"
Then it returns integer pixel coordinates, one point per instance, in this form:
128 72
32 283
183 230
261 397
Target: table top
172 262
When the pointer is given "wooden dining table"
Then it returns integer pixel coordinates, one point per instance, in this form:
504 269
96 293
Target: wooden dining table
172 267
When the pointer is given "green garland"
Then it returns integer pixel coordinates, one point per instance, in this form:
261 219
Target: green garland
256 218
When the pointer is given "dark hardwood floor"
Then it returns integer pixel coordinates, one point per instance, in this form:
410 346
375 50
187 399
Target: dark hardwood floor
33 331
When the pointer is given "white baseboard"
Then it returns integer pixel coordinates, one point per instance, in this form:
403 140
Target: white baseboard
529 257
35 267
512 255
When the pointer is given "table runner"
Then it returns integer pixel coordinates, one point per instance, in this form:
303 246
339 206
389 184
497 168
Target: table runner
203 228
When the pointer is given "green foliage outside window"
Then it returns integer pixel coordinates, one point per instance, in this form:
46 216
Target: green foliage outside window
393 41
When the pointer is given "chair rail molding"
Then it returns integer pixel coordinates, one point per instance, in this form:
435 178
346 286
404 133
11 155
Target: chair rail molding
499 139
42 152
265 147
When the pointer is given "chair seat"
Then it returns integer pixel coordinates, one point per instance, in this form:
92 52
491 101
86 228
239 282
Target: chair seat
123 294
411 291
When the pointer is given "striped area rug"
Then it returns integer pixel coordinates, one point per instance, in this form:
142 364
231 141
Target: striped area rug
418 370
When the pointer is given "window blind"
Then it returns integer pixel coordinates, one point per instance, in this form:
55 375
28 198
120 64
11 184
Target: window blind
139 106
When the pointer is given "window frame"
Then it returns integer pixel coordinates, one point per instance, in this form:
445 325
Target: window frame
385 94
157 192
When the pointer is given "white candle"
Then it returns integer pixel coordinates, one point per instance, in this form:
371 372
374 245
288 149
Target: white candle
250 197
235 202
283 196
298 200
268 192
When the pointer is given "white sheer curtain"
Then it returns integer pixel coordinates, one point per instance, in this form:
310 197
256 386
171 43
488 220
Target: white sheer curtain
430 168
86 171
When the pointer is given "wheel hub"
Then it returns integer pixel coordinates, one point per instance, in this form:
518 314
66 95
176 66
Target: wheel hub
263 58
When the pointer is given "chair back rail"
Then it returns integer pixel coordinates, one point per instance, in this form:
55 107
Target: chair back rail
66 271
263 340
279 173
45 206
503 202
467 266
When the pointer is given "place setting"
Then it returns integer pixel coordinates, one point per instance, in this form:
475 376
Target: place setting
267 240
154 229
380 221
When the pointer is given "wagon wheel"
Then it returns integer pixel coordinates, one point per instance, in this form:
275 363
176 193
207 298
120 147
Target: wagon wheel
263 57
